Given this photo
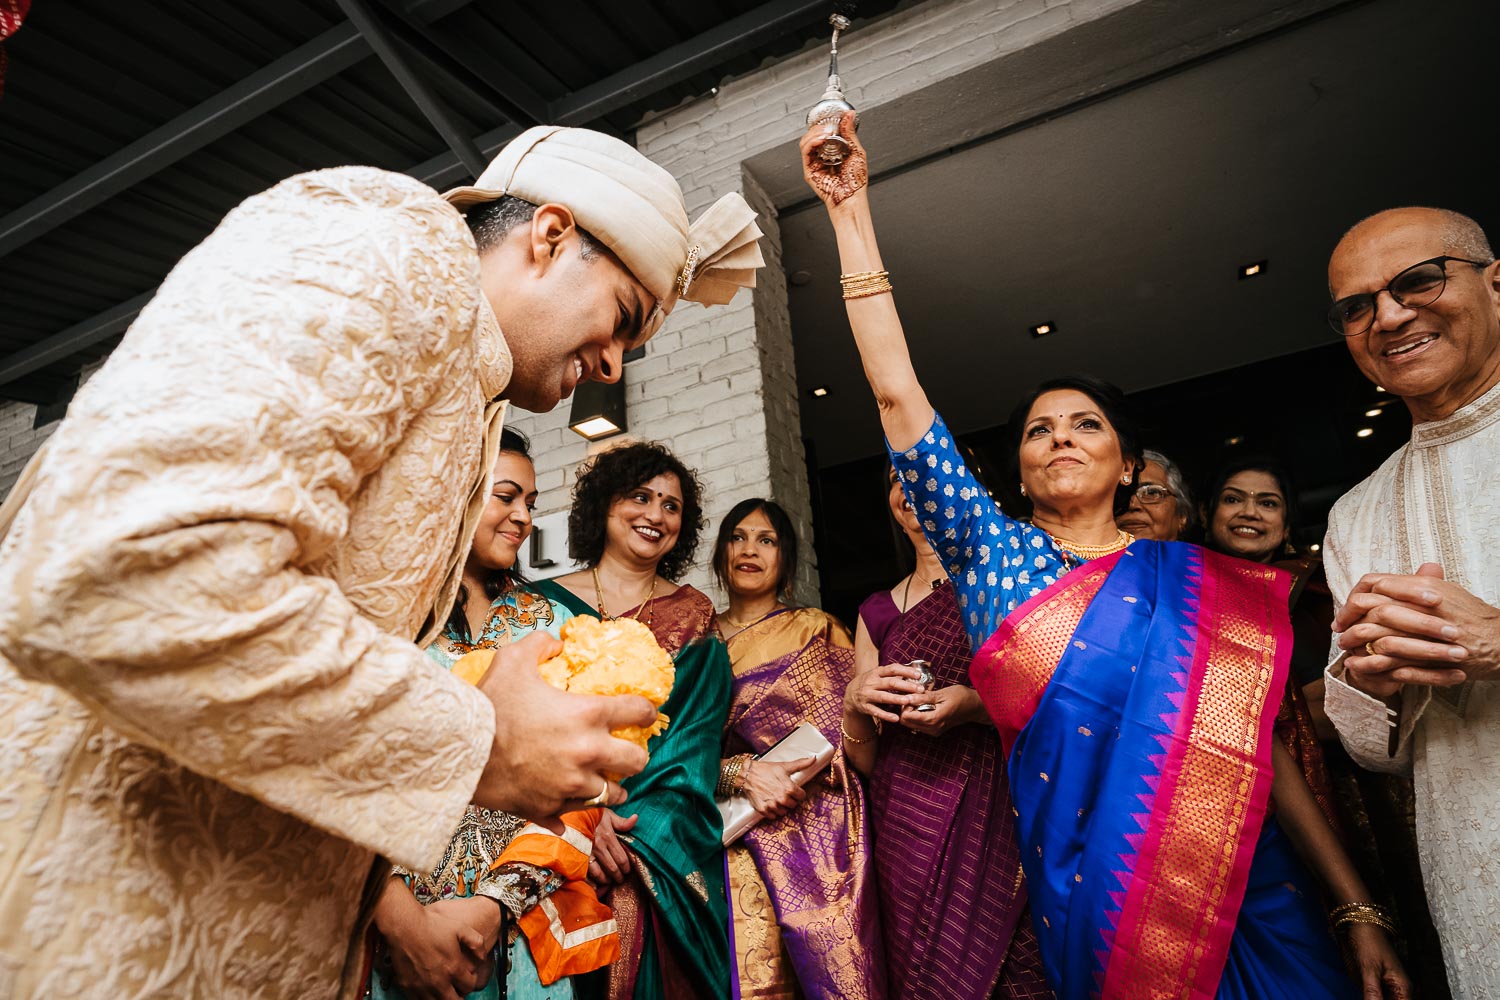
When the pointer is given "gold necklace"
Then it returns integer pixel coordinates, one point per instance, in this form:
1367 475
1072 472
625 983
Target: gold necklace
741 626
644 606
1088 552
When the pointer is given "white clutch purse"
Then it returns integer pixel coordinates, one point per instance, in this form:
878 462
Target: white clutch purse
804 741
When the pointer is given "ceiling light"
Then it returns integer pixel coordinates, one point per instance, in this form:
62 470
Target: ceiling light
1042 329
1315 547
1380 388
1372 413
820 391
1364 432
1252 270
1237 439
598 410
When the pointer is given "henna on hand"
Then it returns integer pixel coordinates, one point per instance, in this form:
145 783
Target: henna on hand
835 182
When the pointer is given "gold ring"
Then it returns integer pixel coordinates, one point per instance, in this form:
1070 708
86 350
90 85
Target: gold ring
601 798
1370 648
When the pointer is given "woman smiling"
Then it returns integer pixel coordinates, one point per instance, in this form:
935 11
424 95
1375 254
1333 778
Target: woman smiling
635 523
1134 687
800 889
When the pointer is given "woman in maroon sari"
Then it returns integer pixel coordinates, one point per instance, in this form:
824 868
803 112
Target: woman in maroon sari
952 904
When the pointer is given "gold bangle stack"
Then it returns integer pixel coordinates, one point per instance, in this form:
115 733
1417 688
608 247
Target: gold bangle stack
732 776
863 283
856 740
1362 913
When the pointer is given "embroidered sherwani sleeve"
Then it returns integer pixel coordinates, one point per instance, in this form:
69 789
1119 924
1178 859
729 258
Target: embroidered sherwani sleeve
1364 723
160 570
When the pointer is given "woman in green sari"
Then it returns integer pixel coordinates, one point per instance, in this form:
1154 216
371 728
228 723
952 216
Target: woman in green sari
452 931
634 526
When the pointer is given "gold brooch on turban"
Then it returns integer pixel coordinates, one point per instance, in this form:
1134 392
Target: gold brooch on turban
632 206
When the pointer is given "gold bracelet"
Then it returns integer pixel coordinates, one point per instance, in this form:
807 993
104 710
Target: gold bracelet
860 284
851 738
1362 913
731 776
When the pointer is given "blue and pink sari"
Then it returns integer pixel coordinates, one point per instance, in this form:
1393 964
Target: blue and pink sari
1136 698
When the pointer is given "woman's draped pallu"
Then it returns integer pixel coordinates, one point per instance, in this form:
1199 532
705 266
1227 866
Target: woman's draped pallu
1136 698
814 863
671 912
952 903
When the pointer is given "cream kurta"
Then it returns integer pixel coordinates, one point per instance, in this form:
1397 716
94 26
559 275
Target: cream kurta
1436 500
216 716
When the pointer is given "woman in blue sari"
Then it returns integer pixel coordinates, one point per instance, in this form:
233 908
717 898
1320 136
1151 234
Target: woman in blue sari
1134 686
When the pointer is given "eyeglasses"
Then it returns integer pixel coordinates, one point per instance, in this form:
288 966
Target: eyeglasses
1150 493
1419 285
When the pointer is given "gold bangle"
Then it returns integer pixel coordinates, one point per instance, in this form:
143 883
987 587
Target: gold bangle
731 776
863 283
1362 913
851 738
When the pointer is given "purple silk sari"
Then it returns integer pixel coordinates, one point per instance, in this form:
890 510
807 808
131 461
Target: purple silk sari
815 861
952 905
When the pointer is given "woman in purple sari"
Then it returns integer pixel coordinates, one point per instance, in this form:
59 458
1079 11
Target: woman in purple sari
801 900
952 904
1163 826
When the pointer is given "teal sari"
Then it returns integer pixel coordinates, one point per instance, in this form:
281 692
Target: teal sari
484 833
672 913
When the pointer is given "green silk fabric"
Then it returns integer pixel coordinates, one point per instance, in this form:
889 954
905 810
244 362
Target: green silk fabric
677 838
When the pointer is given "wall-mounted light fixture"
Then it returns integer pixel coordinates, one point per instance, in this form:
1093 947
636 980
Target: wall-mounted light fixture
819 391
1252 270
598 410
1042 329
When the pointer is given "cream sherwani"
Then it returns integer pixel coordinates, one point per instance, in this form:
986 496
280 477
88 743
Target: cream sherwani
213 716
1436 500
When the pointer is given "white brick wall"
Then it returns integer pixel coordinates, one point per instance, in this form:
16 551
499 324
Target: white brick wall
719 386
18 441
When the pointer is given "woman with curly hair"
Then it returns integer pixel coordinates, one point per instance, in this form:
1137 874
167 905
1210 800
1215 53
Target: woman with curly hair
636 518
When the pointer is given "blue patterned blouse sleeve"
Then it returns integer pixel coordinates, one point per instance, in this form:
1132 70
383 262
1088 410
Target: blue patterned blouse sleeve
996 562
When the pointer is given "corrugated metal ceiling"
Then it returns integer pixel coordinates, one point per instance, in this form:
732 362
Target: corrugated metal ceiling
89 78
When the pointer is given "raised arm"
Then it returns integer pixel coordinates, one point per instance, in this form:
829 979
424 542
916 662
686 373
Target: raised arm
905 412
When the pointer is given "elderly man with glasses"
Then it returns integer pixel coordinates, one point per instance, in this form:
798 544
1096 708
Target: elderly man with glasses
1411 559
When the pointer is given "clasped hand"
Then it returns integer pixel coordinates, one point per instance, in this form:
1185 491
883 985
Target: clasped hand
1420 629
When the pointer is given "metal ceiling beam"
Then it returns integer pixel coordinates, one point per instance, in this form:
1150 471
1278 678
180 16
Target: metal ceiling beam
456 57
675 64
416 88
75 338
306 66
332 52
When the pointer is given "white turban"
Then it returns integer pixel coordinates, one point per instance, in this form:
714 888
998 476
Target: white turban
632 206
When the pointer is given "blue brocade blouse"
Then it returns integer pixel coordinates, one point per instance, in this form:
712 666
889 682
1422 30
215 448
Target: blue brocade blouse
996 562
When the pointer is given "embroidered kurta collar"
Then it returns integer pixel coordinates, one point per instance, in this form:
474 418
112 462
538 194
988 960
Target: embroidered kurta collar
492 352
1469 420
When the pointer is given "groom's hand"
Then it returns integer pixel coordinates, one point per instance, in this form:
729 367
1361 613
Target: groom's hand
551 747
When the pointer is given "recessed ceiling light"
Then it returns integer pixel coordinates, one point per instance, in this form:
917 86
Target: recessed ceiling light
1364 432
1237 439
820 391
1373 413
1252 270
1042 329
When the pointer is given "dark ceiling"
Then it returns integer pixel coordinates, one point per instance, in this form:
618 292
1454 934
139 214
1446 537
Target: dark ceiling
128 130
